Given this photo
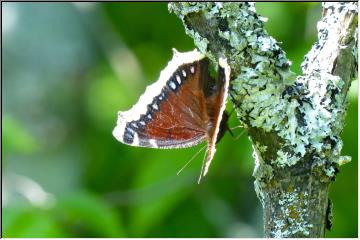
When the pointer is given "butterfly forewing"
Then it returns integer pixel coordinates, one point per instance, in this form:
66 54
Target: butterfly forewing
180 119
183 108
175 117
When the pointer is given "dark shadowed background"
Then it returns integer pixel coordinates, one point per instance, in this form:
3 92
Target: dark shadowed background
67 69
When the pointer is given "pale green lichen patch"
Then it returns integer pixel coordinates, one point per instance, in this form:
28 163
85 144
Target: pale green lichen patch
261 170
285 158
329 38
344 160
261 148
322 116
293 220
259 192
186 8
202 42
325 168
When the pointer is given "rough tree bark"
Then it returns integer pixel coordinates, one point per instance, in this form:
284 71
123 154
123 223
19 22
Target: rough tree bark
293 121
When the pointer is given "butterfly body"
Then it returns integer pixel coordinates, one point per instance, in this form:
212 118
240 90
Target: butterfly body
183 108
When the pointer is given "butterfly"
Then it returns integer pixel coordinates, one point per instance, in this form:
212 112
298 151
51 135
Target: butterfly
183 108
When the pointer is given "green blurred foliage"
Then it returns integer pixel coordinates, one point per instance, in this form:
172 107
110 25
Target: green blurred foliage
27 222
17 138
88 215
67 69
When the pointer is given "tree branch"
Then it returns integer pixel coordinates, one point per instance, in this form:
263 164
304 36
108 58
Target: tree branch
293 121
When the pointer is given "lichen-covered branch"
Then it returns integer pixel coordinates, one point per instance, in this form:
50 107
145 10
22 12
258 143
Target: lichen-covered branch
293 121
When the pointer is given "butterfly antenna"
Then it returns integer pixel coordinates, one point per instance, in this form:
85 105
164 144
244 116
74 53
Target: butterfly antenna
230 129
239 126
237 104
193 157
202 168
242 132
232 111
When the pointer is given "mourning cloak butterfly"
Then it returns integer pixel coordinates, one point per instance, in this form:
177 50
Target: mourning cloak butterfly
184 107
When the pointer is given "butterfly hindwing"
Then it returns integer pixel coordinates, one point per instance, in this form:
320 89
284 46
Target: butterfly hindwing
216 108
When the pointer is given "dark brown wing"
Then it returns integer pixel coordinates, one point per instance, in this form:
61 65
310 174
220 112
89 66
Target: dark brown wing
175 117
182 118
